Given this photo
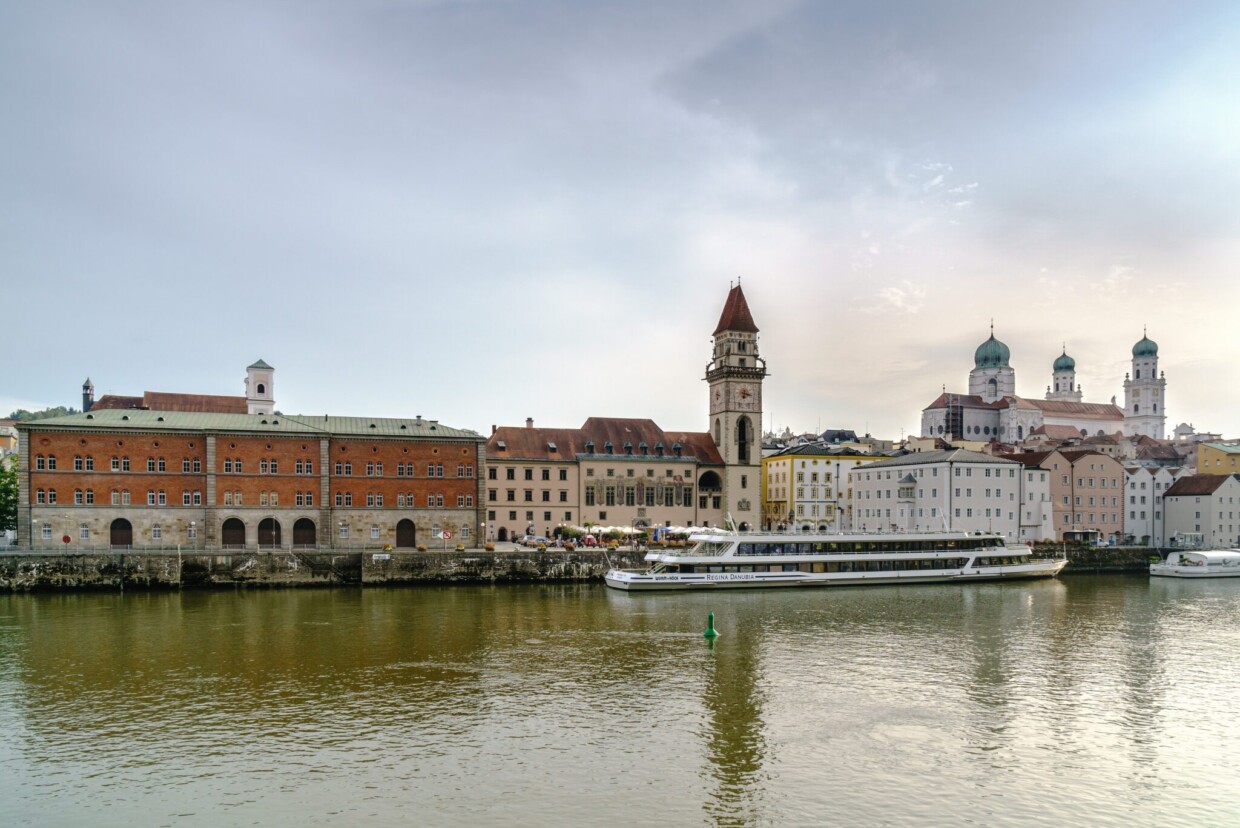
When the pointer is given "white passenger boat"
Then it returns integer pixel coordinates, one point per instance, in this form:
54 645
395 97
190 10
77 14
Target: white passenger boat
719 559
1223 563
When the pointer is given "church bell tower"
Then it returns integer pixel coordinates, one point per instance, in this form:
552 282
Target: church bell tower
735 375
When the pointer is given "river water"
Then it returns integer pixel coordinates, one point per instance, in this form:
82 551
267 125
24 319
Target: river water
1087 700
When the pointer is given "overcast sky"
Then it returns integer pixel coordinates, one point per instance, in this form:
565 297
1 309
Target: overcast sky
483 211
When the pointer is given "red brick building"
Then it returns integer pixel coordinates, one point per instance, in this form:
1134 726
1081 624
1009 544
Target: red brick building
137 477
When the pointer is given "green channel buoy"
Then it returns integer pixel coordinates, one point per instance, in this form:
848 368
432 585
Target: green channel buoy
711 632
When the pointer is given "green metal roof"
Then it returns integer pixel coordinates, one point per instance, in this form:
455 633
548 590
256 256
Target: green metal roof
139 420
260 364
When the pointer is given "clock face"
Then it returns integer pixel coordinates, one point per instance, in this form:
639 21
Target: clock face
746 397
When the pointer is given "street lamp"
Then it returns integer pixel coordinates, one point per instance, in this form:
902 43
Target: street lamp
193 532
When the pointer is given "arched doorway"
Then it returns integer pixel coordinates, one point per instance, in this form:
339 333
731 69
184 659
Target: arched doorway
269 532
744 437
304 533
232 533
503 534
121 533
406 534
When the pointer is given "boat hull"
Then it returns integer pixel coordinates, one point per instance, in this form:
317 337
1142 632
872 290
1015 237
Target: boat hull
1172 571
631 581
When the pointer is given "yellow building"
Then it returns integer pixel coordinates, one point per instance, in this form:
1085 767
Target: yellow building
806 487
1218 458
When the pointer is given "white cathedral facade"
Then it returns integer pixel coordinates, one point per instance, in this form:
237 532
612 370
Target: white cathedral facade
993 411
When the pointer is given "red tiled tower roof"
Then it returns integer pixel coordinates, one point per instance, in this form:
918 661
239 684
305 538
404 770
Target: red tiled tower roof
736 315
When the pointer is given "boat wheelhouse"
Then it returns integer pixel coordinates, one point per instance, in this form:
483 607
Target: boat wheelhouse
727 559
1223 563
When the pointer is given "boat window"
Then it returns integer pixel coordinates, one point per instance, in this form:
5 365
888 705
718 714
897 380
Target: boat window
775 549
806 567
761 568
714 569
744 568
819 566
745 549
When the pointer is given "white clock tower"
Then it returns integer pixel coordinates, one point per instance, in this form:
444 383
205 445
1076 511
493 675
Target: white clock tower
735 375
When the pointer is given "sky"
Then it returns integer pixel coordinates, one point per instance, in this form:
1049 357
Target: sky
480 212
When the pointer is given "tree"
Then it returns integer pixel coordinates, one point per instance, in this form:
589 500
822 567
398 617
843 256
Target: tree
22 415
8 493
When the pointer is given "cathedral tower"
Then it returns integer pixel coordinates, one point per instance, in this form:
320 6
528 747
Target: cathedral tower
992 377
735 375
1145 392
1063 379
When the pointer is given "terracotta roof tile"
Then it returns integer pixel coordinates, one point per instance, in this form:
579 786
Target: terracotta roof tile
1196 484
736 315
527 443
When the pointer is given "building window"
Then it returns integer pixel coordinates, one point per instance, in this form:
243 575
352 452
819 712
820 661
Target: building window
77 497
163 498
197 498
124 464
374 532
344 532
124 497
185 498
150 497
185 465
116 464
228 466
116 497
157 532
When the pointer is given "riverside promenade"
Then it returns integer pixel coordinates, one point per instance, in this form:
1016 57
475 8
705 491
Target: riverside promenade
119 569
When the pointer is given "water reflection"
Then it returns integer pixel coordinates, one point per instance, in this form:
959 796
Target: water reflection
1085 700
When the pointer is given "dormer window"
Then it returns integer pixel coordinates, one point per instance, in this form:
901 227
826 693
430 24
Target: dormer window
658 449
644 449
499 444
551 448
628 448
589 447
607 447
676 449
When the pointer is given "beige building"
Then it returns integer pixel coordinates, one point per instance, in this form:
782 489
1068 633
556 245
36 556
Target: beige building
609 472
632 473
807 487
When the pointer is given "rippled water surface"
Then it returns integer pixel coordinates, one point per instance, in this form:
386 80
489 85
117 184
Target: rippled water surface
1082 701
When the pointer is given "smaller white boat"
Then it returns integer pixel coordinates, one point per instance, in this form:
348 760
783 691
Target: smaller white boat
1216 563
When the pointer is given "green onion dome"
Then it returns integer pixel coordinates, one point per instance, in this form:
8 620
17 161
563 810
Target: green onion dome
1145 348
1065 363
992 354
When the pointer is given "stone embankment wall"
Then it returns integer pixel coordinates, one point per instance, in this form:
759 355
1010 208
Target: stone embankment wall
173 570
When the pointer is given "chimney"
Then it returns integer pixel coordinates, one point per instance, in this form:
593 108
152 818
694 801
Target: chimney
529 422
493 428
